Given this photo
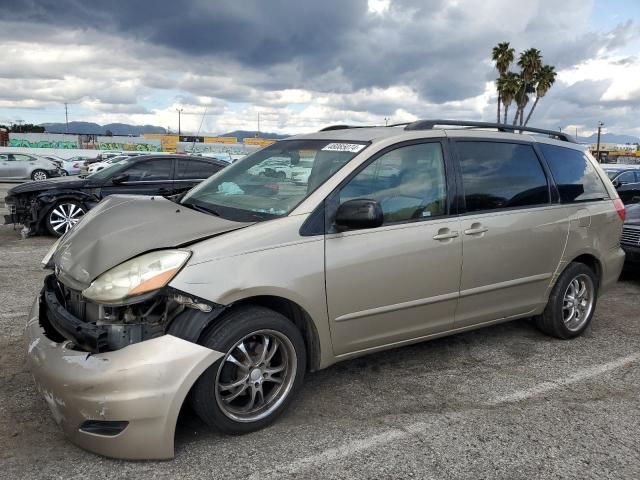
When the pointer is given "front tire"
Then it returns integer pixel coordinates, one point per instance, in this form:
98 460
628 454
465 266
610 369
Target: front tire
39 175
63 216
572 303
262 369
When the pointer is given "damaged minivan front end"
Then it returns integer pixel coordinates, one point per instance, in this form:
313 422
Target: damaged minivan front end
112 348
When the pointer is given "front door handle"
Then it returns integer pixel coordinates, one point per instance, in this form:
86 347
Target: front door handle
476 229
445 234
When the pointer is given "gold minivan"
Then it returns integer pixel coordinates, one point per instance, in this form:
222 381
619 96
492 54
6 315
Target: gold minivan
316 249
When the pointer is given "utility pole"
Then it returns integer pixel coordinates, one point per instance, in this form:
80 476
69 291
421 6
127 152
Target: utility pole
258 124
386 121
179 110
66 118
600 125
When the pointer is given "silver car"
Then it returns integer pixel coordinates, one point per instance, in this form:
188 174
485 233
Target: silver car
23 166
225 298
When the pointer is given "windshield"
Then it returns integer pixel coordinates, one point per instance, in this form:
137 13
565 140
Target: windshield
273 181
110 171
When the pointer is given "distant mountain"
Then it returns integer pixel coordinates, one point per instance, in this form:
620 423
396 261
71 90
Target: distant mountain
86 128
609 138
242 134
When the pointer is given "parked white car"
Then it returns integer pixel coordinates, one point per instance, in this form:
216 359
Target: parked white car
66 166
97 166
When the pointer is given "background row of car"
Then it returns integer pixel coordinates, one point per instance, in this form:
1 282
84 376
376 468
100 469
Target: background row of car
55 205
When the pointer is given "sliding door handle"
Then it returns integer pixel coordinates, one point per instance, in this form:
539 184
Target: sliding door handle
476 229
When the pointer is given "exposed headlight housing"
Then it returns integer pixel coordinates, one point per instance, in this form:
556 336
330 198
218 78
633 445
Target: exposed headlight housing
49 255
137 276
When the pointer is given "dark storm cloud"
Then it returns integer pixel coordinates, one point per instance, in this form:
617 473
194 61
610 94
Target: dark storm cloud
434 46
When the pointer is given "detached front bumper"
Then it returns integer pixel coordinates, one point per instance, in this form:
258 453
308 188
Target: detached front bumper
121 404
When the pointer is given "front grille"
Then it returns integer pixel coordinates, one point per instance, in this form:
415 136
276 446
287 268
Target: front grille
12 208
630 236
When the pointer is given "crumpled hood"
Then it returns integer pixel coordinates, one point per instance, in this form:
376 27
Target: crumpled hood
124 226
42 185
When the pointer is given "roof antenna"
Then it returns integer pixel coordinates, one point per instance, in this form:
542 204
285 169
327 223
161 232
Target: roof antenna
193 145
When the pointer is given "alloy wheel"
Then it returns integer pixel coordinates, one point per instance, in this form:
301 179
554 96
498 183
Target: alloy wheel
39 175
255 376
578 301
64 216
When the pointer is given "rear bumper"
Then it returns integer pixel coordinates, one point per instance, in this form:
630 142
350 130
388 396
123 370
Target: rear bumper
142 385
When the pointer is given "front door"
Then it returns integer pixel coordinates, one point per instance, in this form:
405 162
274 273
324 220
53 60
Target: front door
143 177
512 235
399 281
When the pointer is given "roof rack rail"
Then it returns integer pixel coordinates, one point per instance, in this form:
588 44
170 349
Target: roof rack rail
501 127
343 127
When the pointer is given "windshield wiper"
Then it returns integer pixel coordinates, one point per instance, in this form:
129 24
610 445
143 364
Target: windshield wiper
202 209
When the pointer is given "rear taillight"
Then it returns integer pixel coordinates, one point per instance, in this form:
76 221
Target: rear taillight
76 165
617 203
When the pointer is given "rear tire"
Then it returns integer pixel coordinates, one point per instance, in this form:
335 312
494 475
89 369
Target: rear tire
572 303
39 175
63 216
64 173
255 380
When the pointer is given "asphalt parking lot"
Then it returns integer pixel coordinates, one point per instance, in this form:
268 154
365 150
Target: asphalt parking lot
502 402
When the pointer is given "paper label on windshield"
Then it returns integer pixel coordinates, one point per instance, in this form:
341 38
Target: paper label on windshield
344 147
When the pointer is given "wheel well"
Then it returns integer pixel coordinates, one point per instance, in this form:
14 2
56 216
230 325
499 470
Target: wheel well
300 319
592 262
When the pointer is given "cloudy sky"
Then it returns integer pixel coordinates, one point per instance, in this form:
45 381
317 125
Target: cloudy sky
302 65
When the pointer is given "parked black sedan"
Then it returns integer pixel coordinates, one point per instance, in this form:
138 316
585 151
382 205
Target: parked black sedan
626 179
630 241
54 206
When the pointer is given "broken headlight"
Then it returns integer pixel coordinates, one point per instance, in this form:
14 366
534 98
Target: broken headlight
139 275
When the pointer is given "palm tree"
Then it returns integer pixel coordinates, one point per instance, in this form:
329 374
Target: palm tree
508 86
530 62
503 55
544 79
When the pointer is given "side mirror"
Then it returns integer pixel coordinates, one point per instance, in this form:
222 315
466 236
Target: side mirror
616 183
359 213
123 177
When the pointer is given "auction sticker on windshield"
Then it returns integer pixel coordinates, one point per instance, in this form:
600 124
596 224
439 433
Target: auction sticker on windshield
344 147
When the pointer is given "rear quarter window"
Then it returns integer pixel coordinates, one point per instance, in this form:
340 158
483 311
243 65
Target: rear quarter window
575 177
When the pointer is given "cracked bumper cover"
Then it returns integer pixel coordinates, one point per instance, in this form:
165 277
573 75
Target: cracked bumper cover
144 384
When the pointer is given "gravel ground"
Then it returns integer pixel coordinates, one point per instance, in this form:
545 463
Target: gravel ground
501 402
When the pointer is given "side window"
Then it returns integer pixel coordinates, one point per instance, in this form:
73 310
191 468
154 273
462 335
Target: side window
22 158
4 157
626 177
501 175
408 183
150 170
572 171
195 169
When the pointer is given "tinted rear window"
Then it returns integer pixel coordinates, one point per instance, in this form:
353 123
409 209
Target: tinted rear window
501 175
576 178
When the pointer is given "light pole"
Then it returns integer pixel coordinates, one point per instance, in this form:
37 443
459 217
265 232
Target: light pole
386 121
600 125
66 118
179 110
